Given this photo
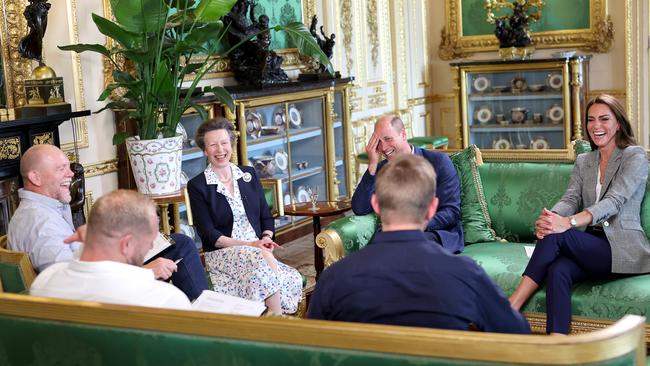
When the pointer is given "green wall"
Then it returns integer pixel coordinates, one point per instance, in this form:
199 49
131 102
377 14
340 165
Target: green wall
280 12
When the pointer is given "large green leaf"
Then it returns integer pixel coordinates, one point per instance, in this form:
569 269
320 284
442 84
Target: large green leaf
81 47
222 95
213 10
140 16
201 35
304 41
122 36
163 86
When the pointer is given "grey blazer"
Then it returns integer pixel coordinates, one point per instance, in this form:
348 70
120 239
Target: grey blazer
619 206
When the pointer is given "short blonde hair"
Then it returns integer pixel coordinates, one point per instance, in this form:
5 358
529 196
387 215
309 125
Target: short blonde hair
120 212
405 188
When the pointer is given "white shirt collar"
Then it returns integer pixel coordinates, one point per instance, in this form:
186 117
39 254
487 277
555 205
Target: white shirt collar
42 199
211 177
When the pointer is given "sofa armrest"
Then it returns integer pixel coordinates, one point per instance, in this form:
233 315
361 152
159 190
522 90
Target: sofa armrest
346 235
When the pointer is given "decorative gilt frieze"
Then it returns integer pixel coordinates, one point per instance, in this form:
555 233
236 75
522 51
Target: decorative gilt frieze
377 100
308 10
346 28
436 98
373 30
88 203
43 138
10 148
100 168
616 93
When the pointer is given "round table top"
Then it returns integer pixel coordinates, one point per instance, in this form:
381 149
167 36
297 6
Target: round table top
323 208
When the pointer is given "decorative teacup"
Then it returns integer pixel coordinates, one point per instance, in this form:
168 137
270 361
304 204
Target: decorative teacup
265 167
518 115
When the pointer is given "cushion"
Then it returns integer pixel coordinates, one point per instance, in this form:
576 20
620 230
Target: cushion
516 192
473 206
424 142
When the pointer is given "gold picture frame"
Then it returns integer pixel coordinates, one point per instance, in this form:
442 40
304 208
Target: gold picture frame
15 68
597 37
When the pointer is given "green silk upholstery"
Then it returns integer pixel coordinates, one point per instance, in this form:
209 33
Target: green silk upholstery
268 195
477 225
12 278
516 192
428 142
611 299
356 231
42 342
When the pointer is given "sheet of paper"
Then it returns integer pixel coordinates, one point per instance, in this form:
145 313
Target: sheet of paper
215 302
159 244
529 250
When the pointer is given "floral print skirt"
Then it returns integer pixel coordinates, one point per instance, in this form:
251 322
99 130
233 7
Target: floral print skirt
242 271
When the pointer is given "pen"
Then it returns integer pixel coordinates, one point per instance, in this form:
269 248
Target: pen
178 260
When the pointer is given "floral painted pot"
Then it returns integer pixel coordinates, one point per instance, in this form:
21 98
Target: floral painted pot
156 164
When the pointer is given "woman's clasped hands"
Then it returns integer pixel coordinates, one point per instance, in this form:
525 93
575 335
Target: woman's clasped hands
550 222
265 243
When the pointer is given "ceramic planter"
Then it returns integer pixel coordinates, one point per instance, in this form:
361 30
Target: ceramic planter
156 164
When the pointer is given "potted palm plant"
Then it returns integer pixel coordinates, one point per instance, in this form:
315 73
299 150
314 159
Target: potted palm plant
158 40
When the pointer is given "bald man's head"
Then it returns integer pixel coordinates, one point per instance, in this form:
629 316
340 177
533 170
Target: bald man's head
123 222
46 170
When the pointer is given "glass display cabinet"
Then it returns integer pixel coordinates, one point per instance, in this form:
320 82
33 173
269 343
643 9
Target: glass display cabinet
299 136
521 110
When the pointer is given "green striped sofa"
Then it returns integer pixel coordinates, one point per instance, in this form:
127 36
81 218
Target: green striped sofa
40 331
515 193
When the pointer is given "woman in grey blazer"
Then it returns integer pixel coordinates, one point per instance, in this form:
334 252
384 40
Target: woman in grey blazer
604 195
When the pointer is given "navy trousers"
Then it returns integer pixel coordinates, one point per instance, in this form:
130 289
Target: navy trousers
562 260
190 275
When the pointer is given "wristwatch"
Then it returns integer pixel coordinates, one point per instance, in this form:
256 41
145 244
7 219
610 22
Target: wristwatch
572 221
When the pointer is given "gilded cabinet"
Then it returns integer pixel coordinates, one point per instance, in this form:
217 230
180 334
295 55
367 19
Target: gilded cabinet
528 110
298 135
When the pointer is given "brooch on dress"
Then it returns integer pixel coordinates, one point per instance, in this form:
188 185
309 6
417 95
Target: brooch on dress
247 177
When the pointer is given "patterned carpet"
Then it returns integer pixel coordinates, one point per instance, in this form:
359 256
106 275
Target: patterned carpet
299 254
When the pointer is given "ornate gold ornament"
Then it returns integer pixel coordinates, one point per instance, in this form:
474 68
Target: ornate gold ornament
10 148
43 138
598 37
16 68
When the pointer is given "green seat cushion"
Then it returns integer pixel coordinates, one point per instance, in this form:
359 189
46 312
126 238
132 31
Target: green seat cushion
612 299
516 193
363 157
12 278
268 196
355 231
424 142
473 207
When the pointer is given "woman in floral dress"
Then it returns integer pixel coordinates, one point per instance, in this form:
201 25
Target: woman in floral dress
236 227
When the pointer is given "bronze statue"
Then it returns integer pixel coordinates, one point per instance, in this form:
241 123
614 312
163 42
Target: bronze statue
325 43
513 30
31 46
253 63
77 194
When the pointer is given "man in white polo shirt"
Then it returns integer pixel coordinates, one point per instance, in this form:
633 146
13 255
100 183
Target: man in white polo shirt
122 226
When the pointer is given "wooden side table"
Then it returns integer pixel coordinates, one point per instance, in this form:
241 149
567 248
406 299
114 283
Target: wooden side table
323 209
173 200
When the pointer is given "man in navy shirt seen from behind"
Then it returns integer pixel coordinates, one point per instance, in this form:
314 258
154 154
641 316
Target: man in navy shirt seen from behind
400 278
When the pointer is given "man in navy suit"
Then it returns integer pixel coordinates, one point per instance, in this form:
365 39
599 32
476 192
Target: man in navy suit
400 278
389 140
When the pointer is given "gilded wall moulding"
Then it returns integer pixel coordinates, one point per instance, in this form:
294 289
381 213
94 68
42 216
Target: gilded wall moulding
100 168
596 36
10 148
346 28
43 138
436 98
377 100
16 68
373 30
